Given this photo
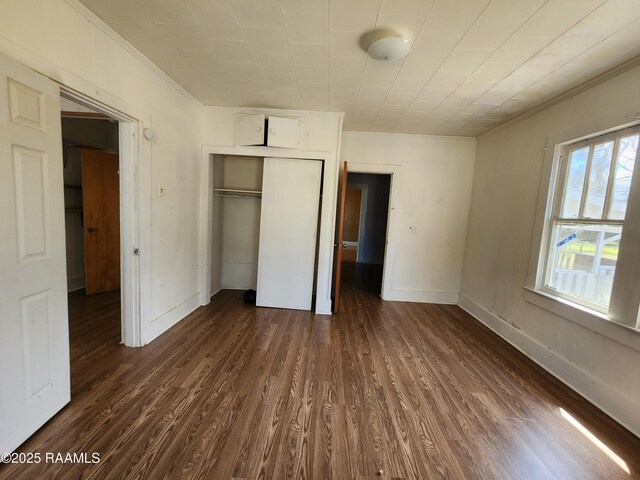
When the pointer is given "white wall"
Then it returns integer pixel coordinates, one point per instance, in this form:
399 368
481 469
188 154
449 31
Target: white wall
321 135
62 40
240 241
507 183
431 193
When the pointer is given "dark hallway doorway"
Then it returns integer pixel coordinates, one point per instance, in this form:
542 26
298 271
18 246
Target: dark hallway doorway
365 231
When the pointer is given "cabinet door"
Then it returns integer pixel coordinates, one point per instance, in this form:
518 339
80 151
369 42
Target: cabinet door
288 229
284 132
250 129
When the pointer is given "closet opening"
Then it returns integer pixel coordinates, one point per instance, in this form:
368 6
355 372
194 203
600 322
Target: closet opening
91 167
265 217
236 202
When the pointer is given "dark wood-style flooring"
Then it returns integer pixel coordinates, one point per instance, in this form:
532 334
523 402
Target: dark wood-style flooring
381 390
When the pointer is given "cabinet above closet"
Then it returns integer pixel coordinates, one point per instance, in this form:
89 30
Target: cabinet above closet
270 131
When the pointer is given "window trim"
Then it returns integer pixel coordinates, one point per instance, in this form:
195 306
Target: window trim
549 202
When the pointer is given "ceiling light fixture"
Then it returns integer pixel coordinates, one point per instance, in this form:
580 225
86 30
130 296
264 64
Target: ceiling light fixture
389 48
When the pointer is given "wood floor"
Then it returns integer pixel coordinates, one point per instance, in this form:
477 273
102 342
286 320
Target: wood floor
381 390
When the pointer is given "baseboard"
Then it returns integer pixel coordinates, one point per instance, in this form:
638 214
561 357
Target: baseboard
421 296
617 405
323 307
164 322
75 283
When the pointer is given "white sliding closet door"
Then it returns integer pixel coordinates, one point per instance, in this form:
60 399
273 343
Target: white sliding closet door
288 229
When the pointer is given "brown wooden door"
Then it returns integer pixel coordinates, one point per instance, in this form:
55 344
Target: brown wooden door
342 195
101 219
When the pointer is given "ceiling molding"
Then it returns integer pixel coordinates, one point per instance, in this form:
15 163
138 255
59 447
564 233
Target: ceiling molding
603 77
98 22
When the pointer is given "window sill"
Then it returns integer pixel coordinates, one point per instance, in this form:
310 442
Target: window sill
590 319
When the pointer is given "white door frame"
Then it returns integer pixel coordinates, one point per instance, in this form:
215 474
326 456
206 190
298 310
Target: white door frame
394 172
131 208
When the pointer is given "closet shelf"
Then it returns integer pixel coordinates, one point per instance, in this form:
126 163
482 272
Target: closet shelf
236 192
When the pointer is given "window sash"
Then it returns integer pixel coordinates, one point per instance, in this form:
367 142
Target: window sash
550 261
563 177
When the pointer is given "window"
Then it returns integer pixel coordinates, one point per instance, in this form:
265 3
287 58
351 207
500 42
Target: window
587 218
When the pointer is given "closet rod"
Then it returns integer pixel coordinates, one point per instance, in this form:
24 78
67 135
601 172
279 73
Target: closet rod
238 196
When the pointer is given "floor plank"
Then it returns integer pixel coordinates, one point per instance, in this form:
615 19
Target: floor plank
381 390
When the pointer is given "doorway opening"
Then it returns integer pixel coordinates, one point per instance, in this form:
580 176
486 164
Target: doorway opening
91 169
132 207
365 230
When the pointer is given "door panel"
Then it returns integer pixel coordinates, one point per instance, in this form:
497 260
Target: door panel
342 196
29 169
352 207
27 105
101 219
36 325
34 338
288 229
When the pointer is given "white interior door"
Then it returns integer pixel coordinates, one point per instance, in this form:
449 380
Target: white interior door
288 229
34 338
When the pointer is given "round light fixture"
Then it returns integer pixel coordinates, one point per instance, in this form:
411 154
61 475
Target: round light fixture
389 48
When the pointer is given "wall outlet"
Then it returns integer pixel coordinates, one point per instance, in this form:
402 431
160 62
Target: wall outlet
413 229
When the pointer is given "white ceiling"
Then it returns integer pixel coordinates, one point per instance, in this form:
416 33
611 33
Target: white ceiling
473 64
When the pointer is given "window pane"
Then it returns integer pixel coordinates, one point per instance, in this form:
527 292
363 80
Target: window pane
575 183
582 260
598 180
622 177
